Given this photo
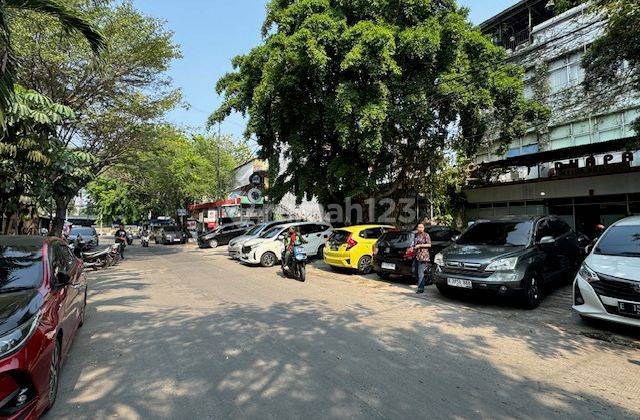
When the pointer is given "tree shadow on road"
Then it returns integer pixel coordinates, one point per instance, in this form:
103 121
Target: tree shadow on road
300 358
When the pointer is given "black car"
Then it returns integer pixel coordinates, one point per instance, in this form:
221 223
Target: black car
392 253
509 256
167 235
223 234
87 235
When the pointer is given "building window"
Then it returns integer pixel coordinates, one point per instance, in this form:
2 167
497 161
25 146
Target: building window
566 72
529 76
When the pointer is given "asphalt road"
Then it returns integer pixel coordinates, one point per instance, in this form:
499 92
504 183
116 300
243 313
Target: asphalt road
178 332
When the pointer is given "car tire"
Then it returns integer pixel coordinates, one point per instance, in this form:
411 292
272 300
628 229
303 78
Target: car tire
365 264
268 259
445 290
213 243
531 292
320 253
54 373
84 310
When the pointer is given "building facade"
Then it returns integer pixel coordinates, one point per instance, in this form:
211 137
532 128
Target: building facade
580 164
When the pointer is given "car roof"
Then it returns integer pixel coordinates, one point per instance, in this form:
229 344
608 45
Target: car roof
628 221
357 228
511 219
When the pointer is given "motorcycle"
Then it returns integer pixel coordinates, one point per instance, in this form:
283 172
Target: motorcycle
129 238
297 265
145 239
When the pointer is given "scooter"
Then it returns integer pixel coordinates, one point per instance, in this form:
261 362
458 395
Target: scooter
297 265
144 240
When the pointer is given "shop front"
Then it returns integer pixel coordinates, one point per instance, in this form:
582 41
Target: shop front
584 191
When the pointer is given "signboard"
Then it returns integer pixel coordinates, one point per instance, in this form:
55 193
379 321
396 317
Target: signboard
191 224
254 196
255 179
591 165
182 212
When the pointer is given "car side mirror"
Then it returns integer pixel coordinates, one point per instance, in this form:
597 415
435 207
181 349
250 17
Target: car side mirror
63 278
547 240
281 237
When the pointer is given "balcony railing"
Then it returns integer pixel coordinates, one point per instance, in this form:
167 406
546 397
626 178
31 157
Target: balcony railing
510 42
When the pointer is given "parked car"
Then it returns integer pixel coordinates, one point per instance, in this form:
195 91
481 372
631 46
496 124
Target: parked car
223 234
509 256
167 235
352 247
392 254
607 285
266 250
88 234
235 245
42 304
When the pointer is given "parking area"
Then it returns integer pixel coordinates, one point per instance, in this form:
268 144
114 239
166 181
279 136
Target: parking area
181 332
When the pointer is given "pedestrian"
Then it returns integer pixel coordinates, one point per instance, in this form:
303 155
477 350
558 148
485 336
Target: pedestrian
421 245
121 239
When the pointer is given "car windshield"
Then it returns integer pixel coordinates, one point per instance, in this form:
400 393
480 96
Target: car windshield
255 230
271 233
398 239
497 233
620 241
20 268
82 231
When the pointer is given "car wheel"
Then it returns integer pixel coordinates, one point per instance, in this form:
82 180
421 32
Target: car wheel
213 243
268 259
320 251
364 264
54 373
531 292
445 290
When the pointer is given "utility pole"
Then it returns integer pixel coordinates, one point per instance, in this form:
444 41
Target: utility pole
218 164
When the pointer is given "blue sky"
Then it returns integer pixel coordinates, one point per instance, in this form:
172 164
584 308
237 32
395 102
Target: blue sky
212 32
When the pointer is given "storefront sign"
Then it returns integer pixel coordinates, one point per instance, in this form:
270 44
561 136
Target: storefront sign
255 179
621 162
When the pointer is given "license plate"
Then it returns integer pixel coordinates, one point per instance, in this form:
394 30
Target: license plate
388 266
465 284
176 240
629 308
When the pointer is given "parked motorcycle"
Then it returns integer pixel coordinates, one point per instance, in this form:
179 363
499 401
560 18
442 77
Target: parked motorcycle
297 264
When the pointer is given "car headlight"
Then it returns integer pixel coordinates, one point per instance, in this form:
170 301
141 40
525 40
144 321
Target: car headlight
503 264
439 260
588 274
16 338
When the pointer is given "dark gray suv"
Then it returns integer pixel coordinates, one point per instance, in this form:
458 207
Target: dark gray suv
510 256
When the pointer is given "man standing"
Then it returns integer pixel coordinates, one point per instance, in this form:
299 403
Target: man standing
421 245
121 239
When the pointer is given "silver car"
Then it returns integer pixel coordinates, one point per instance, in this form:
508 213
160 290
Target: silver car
88 234
235 245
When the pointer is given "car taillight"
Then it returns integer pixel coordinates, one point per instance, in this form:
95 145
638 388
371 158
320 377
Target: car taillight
351 242
408 254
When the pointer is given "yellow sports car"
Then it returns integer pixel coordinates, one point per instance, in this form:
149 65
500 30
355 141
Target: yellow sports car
352 246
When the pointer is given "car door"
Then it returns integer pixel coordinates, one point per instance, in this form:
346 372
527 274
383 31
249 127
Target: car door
78 284
65 295
550 266
224 236
567 247
315 235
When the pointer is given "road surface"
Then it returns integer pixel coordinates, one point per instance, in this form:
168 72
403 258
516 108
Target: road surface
178 332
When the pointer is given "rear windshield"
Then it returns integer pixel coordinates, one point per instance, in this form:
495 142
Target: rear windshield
84 231
398 239
497 233
20 268
339 236
620 241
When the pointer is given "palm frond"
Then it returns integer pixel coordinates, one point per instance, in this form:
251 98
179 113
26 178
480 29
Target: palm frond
70 19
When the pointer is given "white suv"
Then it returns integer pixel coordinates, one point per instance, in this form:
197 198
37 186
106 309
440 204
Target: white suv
266 250
607 286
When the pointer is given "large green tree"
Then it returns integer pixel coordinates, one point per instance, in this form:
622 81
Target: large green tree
364 98
117 100
70 19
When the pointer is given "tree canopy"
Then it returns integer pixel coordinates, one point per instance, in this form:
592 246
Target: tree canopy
366 97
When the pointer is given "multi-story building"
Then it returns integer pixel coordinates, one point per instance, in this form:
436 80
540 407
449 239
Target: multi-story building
580 164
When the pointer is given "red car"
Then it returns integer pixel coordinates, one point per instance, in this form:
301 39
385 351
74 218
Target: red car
42 303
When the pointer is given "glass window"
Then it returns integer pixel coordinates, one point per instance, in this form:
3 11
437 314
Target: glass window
20 267
581 132
620 241
373 233
82 231
398 239
272 233
339 236
497 233
610 127
560 137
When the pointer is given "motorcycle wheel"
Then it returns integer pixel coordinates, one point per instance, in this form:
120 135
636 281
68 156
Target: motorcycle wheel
302 273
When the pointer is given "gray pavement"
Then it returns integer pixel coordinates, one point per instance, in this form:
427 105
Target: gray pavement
178 332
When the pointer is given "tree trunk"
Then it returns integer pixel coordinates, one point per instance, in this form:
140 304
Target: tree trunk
60 217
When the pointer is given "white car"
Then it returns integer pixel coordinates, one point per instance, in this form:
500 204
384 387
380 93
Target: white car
266 250
235 245
607 286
